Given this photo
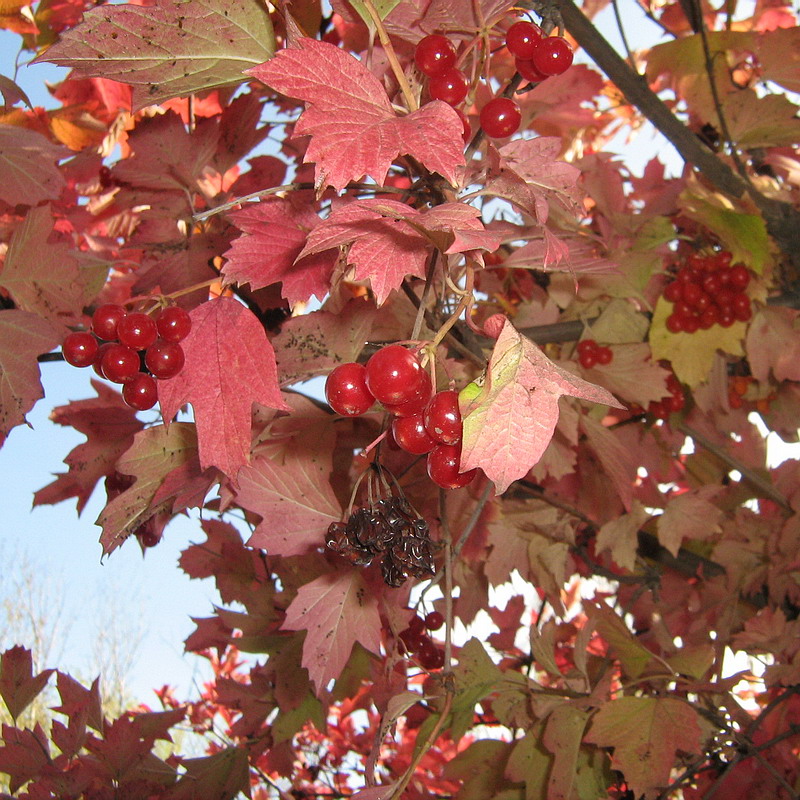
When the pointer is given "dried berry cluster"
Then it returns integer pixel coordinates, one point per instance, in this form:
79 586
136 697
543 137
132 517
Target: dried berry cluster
390 529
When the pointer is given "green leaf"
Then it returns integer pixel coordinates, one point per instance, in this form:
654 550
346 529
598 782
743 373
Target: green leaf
382 7
174 48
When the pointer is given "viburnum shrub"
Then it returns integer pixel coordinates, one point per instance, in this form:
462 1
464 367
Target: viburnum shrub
547 373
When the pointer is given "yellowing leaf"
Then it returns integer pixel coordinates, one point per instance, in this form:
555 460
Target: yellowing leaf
773 343
508 427
646 734
687 516
692 354
620 536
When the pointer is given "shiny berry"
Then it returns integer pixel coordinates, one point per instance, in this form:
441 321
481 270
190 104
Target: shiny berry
411 435
434 55
119 363
675 323
97 364
80 349
528 71
522 38
394 375
430 656
500 117
605 355
434 621
450 87
415 404
673 291
140 392
553 55
164 359
739 277
105 320
443 463
173 324
346 390
443 418
137 331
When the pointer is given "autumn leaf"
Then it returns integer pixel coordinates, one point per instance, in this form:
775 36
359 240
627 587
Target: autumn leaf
43 277
274 233
509 425
389 240
23 755
109 425
168 49
294 499
223 776
28 171
18 685
690 515
633 375
337 610
23 337
155 452
692 354
646 734
354 129
620 536
773 344
229 366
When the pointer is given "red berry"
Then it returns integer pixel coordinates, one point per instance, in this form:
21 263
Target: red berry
416 404
586 346
500 117
411 435
682 309
553 55
174 324
97 364
430 656
675 323
711 284
119 363
443 418
346 390
394 375
605 355
416 624
521 39
741 307
724 298
686 275
658 410
674 403
412 639
691 293
673 291
466 133
79 349
434 621
703 300
739 277
690 323
140 392
722 259
588 358
105 320
726 317
443 463
434 55
709 317
451 87
164 359
528 71
137 331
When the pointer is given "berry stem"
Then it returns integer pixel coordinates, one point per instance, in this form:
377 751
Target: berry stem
448 581
405 88
464 304
426 293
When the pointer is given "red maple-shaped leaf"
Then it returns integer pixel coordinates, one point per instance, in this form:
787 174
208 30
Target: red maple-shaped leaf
109 424
28 172
294 498
18 684
24 754
354 129
274 233
510 423
23 336
337 610
389 240
229 366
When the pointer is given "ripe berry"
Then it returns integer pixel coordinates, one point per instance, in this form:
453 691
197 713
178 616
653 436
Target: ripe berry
673 291
416 624
97 364
451 87
79 349
443 463
553 55
434 621
522 38
137 331
173 324
415 404
500 117
741 307
709 317
412 639
430 656
140 392
528 71
739 277
466 133
605 355
443 418
105 320
394 375
346 390
434 55
675 323
119 363
164 359
411 435
588 353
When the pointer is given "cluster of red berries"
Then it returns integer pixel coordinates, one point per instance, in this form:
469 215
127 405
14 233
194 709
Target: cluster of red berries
708 291
590 353
132 349
417 642
537 56
424 422
661 409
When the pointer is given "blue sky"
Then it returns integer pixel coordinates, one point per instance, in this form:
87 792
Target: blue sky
149 594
